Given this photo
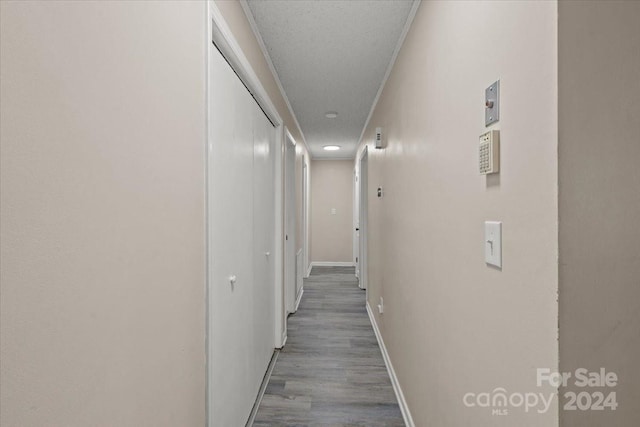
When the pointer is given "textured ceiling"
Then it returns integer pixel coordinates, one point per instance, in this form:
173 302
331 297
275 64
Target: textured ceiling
331 56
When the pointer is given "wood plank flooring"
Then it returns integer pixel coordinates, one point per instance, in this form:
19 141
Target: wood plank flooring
331 371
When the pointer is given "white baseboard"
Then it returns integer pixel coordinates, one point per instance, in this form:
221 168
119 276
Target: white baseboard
299 298
331 264
404 408
309 271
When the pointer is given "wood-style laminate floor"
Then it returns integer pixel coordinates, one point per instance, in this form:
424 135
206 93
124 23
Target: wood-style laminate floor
331 371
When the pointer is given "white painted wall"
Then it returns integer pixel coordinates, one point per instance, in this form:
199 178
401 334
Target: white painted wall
102 263
242 206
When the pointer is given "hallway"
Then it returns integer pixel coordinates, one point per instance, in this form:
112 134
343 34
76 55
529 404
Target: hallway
195 194
331 370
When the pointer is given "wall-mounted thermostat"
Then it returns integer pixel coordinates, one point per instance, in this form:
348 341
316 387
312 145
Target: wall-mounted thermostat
489 152
378 141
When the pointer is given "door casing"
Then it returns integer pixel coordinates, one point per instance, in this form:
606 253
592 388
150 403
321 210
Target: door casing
363 220
290 223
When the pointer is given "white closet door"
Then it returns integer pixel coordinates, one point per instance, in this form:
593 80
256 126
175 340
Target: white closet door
240 221
263 312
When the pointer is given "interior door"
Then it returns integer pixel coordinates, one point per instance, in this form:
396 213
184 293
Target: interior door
230 241
356 221
290 225
305 219
240 219
364 196
263 312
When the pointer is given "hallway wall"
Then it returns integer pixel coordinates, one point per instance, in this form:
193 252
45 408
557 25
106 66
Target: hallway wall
599 204
102 214
451 324
331 187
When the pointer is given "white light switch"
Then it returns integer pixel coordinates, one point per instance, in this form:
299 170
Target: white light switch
333 211
493 243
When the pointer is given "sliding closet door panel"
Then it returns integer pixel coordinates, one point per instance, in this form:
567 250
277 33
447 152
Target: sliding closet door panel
264 239
241 210
231 204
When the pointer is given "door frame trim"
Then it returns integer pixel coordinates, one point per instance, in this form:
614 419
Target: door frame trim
306 189
289 294
363 223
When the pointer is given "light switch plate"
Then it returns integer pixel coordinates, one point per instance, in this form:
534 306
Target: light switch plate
493 243
492 103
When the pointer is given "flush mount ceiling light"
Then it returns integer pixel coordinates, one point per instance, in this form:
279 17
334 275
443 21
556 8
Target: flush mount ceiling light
331 147
331 114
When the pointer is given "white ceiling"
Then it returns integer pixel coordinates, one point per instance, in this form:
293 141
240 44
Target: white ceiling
331 55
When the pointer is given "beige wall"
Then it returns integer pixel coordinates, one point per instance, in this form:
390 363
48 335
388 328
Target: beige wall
452 324
331 187
599 149
103 231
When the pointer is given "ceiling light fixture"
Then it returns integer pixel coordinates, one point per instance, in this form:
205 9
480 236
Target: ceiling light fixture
331 147
331 114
